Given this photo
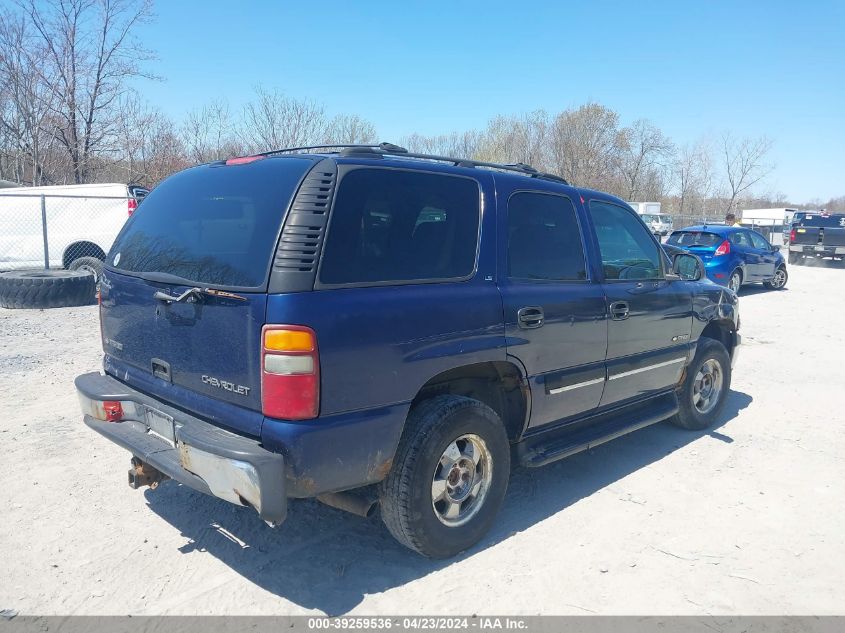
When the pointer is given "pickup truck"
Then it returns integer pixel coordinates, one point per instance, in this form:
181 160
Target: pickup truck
388 331
817 236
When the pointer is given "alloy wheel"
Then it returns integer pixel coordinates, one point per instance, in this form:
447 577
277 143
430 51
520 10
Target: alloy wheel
461 480
707 386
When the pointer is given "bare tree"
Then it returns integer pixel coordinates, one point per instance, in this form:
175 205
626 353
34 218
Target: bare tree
583 145
209 133
25 104
745 164
517 139
349 129
693 174
274 121
457 144
643 152
89 56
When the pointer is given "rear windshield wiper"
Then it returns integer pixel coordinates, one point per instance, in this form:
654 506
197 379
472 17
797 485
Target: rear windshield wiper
191 294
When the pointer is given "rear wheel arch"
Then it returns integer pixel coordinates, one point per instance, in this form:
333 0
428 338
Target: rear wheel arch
501 385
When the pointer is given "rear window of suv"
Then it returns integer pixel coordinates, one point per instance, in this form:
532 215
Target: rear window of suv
215 225
391 225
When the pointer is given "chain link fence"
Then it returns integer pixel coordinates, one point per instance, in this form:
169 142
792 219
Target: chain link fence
55 231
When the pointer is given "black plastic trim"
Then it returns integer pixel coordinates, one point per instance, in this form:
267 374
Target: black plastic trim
300 244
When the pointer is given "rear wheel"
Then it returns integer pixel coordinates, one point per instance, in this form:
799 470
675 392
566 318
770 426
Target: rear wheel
779 280
794 258
449 477
735 281
706 384
91 265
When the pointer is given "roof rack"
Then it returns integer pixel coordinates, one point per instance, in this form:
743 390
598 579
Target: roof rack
389 149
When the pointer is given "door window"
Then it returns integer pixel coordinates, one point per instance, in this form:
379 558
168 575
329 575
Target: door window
544 239
628 250
759 241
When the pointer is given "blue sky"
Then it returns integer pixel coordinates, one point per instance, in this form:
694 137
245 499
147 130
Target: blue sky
694 68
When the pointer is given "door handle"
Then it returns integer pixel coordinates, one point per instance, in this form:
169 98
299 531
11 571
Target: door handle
530 317
619 310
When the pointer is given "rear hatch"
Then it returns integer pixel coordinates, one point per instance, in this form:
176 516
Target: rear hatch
698 242
184 291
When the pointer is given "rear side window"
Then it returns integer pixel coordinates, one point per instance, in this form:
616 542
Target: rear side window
544 239
695 238
213 225
627 249
398 226
740 238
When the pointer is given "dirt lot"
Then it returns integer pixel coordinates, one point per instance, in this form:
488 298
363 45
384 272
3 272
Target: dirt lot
746 519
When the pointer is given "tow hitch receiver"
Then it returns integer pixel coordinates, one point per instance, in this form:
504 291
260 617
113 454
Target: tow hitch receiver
142 474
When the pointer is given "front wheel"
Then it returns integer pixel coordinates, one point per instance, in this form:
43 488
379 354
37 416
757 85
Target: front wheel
707 381
449 476
779 280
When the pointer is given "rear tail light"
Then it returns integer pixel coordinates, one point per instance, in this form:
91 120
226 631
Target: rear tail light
104 410
792 235
724 249
290 372
131 205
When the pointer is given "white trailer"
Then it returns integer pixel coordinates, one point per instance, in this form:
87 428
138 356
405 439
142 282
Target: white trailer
772 220
78 222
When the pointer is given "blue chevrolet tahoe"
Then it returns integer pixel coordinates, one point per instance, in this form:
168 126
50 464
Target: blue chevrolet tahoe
392 331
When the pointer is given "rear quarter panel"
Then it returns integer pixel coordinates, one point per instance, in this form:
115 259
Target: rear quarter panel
378 346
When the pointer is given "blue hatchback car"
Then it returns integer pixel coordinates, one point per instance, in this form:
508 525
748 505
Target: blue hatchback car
733 255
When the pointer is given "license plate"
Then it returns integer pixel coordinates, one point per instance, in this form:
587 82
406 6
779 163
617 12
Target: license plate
162 425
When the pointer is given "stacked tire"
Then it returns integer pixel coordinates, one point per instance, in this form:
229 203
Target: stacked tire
46 288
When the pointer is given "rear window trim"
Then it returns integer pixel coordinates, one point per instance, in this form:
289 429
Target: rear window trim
342 171
261 288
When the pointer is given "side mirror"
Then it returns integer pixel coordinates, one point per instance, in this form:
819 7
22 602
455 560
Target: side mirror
775 247
687 267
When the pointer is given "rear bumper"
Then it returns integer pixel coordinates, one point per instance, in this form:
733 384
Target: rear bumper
817 250
189 450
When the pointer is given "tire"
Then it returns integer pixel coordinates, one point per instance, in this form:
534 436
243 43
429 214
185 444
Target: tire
690 415
735 280
779 280
794 259
46 289
408 505
93 265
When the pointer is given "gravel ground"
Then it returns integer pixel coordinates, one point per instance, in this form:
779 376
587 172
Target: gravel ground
744 519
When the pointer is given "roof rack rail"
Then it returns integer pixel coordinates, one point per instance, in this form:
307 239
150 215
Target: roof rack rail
389 149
